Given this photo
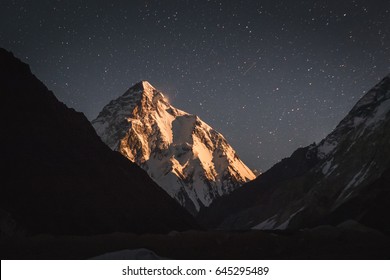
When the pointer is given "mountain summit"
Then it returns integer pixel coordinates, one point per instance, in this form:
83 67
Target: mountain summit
191 161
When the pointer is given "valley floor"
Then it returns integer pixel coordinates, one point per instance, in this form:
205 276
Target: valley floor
323 242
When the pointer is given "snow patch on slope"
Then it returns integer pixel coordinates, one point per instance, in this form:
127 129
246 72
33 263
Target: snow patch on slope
357 179
285 224
380 113
326 148
267 224
270 223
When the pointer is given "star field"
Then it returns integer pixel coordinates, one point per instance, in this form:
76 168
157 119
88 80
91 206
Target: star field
271 76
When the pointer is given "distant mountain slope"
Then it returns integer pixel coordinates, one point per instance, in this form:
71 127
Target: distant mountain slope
59 177
191 161
345 176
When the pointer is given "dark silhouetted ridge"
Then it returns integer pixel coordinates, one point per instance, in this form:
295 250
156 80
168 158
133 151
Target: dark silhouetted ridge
60 178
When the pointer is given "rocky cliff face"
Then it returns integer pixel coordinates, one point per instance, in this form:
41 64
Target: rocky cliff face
60 178
345 176
191 161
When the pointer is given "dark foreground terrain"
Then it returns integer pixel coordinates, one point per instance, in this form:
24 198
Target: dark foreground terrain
346 241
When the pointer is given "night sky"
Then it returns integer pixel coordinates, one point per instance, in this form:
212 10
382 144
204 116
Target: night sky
271 76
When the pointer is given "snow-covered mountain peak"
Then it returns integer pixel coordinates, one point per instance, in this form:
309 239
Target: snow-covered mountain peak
185 156
147 86
142 86
143 89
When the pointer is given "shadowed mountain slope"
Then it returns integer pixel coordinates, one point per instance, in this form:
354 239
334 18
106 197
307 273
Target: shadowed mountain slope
59 177
345 176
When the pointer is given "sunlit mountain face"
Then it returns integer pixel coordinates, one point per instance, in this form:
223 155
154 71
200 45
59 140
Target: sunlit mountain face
185 156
